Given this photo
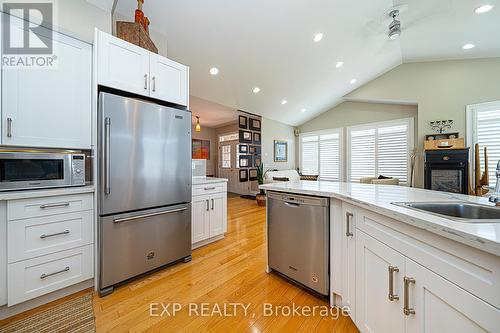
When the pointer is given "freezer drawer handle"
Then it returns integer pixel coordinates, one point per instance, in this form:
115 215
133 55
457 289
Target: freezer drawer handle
148 215
57 205
43 276
65 232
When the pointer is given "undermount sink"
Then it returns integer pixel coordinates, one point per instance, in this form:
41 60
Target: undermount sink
458 211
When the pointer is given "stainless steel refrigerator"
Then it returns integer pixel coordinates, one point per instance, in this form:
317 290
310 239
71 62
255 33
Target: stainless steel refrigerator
144 198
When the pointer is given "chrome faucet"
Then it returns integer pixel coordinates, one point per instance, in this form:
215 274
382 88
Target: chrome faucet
495 197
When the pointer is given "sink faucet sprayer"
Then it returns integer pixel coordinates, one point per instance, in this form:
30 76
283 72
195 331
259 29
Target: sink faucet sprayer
495 197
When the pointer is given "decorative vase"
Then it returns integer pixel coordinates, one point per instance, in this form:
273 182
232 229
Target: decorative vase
139 14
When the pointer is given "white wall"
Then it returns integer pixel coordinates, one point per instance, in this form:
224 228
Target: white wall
274 130
442 90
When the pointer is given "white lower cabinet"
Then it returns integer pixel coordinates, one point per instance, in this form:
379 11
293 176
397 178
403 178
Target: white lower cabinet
396 278
208 214
395 294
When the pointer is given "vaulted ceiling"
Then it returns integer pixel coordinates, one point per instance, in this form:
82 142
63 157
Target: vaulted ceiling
269 44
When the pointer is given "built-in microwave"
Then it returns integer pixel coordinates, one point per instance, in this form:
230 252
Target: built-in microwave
35 170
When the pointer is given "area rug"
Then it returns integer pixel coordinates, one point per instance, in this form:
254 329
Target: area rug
247 196
75 315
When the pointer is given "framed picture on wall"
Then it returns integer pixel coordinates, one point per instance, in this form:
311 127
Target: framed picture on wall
243 149
257 160
256 138
252 174
243 122
254 124
245 161
254 150
243 175
245 137
200 149
280 151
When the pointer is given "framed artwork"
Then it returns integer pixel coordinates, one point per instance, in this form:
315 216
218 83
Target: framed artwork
245 137
254 150
245 161
243 149
254 125
252 174
243 122
243 175
201 149
280 151
257 160
256 138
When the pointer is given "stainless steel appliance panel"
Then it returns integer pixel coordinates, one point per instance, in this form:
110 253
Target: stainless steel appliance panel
145 154
135 243
298 238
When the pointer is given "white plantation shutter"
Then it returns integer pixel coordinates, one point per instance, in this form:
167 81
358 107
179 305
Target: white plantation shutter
486 129
362 143
380 149
320 154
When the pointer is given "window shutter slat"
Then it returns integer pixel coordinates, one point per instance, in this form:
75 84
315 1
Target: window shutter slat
488 135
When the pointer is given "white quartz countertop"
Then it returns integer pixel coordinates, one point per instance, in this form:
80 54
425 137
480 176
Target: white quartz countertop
379 198
208 180
25 194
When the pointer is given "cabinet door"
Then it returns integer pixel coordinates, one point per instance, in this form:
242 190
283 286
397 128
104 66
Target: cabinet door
217 214
200 218
168 80
375 312
349 257
441 306
122 65
50 107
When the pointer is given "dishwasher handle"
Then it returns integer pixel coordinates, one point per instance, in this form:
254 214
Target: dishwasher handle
292 204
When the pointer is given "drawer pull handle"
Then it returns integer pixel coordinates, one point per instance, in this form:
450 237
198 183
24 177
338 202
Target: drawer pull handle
44 276
406 308
64 204
209 188
65 232
348 217
392 296
124 219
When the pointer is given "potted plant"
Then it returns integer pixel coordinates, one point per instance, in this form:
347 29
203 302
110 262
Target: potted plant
261 196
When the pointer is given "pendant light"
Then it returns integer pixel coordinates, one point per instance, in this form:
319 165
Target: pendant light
197 128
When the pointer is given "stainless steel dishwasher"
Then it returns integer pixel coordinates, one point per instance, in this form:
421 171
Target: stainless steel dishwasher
298 238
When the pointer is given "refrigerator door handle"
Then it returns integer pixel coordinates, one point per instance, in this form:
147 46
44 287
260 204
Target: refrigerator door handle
120 220
107 144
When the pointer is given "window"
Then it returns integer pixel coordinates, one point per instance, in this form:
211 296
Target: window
320 154
226 156
229 137
483 127
380 149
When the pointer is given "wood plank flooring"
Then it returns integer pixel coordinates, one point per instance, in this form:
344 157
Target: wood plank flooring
229 271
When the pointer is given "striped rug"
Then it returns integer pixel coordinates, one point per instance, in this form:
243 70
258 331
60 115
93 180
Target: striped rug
75 315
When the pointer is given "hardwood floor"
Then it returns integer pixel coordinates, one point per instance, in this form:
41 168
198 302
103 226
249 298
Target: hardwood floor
229 271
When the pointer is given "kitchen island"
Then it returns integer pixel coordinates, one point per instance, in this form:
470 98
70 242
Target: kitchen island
403 270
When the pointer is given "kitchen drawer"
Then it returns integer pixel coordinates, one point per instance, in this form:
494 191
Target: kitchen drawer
209 188
32 278
35 207
29 238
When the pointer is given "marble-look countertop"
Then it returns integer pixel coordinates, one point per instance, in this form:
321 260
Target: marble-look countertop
26 194
378 198
208 180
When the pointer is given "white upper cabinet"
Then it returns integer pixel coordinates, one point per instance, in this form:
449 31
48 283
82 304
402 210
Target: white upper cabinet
128 67
169 80
122 65
50 107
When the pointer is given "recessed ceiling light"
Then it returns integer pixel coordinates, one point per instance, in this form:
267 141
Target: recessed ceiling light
283 102
256 90
483 9
303 110
468 46
214 71
318 37
339 64
353 81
